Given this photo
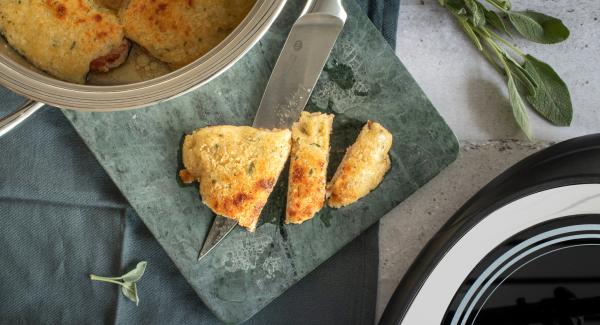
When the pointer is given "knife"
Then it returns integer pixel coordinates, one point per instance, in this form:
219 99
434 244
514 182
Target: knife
292 81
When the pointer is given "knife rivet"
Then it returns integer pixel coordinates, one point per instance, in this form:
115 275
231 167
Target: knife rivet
298 45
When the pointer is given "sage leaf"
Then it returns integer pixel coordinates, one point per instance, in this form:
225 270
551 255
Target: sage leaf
94 277
538 27
502 4
524 77
129 290
528 77
492 18
477 14
135 274
505 4
127 281
518 107
465 25
551 99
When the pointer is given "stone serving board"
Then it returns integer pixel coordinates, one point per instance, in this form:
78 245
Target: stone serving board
362 80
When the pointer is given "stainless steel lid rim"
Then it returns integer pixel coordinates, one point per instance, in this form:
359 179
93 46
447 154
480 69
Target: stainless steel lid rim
108 98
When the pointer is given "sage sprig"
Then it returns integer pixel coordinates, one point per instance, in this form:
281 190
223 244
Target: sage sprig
126 281
527 77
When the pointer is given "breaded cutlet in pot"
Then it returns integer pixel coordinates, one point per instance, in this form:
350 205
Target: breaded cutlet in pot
180 31
64 37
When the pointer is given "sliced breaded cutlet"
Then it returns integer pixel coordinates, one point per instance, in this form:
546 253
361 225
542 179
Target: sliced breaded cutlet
237 167
363 167
308 166
64 37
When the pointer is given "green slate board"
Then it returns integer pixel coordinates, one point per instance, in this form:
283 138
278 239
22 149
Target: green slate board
363 79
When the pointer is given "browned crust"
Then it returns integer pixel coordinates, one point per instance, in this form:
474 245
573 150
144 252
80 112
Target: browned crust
180 31
308 166
237 168
363 167
60 37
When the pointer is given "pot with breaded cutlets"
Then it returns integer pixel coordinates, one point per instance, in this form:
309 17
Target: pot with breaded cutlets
113 55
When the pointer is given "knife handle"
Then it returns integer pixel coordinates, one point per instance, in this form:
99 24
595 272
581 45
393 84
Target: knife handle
329 7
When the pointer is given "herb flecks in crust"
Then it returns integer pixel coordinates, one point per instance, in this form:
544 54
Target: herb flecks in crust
237 167
308 166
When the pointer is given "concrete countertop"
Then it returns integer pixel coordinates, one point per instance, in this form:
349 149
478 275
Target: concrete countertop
472 97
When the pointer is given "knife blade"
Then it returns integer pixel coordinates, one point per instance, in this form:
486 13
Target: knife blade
299 65
294 76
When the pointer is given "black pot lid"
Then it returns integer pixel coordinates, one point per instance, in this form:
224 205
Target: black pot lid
524 250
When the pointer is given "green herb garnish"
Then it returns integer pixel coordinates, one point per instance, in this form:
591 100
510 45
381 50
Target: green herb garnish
251 168
126 281
528 77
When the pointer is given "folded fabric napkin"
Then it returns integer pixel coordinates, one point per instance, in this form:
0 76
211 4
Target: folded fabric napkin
62 218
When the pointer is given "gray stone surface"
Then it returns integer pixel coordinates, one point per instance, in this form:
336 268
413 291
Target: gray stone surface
363 80
471 96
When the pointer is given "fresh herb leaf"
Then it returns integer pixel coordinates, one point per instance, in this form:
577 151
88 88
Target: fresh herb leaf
251 168
506 4
135 274
523 76
518 107
471 33
129 290
477 14
492 18
551 99
126 281
516 102
500 4
491 60
538 27
545 91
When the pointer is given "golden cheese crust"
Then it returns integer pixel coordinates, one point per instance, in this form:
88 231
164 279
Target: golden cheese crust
308 166
180 31
61 37
363 167
237 167
111 4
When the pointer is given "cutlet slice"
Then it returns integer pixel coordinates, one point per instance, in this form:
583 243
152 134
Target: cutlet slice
237 167
363 167
308 166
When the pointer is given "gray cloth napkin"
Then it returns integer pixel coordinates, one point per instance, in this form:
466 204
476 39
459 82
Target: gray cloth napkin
61 218
384 15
